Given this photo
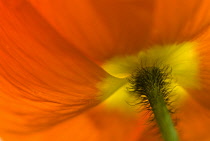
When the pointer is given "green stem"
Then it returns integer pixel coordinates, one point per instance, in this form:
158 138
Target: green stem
162 116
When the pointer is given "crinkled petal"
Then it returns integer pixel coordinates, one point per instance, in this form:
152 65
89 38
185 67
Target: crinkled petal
101 29
94 125
44 79
193 121
179 20
108 28
201 92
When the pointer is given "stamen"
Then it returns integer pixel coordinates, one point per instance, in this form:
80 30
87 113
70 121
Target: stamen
152 86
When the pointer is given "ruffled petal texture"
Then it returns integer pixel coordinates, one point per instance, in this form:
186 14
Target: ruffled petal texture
176 21
123 27
193 121
49 64
44 79
93 125
100 29
202 92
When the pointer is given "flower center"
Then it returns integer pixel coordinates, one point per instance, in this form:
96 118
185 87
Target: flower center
152 75
182 59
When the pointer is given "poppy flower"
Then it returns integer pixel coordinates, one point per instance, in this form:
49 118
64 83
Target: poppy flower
65 66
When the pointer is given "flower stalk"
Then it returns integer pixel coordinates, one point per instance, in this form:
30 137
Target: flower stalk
162 116
153 86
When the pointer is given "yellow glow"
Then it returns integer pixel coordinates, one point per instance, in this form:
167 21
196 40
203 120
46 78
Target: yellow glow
182 58
109 86
121 67
121 100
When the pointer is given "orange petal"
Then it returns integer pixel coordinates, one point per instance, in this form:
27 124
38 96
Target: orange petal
193 122
179 20
44 79
100 29
94 125
201 93
77 129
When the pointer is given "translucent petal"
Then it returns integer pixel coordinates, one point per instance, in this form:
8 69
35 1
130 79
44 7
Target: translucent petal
44 79
100 29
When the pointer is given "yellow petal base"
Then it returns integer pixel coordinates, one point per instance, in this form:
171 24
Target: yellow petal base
182 59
